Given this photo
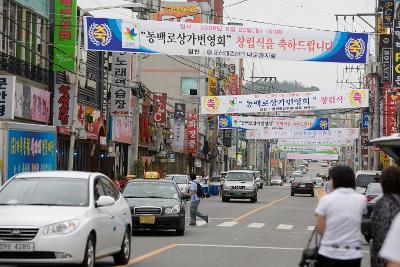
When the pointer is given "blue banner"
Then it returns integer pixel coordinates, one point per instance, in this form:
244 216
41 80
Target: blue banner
30 151
320 124
364 121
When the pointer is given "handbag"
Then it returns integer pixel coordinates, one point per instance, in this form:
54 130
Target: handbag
310 254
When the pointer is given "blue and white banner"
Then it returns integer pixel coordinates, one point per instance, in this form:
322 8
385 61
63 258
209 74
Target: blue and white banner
215 40
251 122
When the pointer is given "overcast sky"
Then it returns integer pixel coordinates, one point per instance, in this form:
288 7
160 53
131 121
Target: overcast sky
306 13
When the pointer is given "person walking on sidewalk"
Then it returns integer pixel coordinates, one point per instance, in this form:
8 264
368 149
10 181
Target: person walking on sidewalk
195 201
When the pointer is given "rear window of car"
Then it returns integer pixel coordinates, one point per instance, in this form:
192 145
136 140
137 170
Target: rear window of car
374 188
363 180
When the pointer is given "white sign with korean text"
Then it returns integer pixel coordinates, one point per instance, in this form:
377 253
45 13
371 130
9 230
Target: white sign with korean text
120 85
316 142
297 101
333 133
7 96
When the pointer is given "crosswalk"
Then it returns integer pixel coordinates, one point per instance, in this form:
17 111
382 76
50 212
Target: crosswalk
259 225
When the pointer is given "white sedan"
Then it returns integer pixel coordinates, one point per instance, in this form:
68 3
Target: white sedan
63 217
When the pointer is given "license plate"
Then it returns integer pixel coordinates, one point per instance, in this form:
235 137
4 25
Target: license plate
17 246
146 219
302 185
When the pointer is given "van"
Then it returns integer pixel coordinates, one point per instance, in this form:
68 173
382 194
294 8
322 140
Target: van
364 178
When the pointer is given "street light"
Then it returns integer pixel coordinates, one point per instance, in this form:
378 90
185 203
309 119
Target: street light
132 6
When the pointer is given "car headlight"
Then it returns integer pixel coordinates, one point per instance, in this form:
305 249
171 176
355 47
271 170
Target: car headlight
61 228
174 210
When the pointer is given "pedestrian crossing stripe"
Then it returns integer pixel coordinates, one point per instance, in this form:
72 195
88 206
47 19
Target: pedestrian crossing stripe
310 228
256 225
285 227
227 224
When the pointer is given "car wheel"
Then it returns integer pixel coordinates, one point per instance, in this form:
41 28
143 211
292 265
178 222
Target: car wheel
312 194
292 193
367 237
253 200
90 253
225 199
261 186
180 232
122 257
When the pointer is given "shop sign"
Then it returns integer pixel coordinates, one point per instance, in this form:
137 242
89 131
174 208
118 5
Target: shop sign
160 108
184 14
65 21
365 117
296 101
191 133
227 137
396 54
32 103
390 102
122 129
388 13
229 41
31 151
7 96
385 52
120 85
179 127
63 103
212 83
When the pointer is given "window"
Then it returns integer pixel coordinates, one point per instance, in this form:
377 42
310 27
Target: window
28 36
109 189
98 190
19 32
12 27
189 86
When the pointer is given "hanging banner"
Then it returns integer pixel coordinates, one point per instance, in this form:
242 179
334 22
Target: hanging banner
212 83
160 108
390 102
120 85
229 41
243 122
179 127
298 101
312 156
65 22
364 120
333 133
184 13
314 141
305 149
7 97
388 13
63 103
396 54
122 129
191 133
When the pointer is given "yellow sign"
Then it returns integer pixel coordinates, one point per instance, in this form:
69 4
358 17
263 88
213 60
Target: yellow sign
151 175
381 28
385 160
211 103
212 83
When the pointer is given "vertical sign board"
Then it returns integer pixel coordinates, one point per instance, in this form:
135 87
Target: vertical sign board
120 87
179 127
388 13
191 133
7 96
364 122
385 51
63 104
65 35
160 108
396 54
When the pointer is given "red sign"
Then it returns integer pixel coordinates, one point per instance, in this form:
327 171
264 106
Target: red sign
160 107
390 103
191 133
63 104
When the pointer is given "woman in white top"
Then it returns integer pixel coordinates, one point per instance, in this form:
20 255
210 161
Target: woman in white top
339 217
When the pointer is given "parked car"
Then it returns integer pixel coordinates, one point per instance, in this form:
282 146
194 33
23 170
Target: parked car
259 180
156 205
373 190
303 185
366 225
277 180
364 178
182 180
63 217
240 184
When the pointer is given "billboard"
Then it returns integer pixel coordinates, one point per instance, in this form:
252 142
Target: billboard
215 40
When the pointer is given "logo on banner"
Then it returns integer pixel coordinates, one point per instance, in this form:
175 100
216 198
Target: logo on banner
232 104
211 103
130 37
223 122
100 34
357 97
355 48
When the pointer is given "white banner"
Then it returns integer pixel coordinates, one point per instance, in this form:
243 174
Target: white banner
315 141
312 156
228 41
333 133
7 96
306 149
120 86
63 104
297 101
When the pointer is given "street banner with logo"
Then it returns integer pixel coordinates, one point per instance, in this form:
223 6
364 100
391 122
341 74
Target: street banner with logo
120 85
191 133
215 40
160 108
306 149
179 127
7 96
65 22
63 104
297 101
250 122
333 133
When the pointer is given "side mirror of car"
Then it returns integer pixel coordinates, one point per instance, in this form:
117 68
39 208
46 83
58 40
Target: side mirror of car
105 201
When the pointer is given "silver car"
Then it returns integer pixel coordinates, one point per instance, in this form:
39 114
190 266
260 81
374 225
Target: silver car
240 185
64 218
182 180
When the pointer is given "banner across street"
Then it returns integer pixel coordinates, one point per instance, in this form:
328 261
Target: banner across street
333 133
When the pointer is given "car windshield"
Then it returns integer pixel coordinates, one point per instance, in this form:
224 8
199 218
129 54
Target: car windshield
374 189
276 178
179 179
239 176
363 180
151 190
46 191
294 175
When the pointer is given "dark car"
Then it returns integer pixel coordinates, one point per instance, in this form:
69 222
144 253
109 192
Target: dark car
366 225
373 190
303 185
156 205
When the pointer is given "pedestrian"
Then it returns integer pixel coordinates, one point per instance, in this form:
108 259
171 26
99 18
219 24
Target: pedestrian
339 217
384 212
390 248
195 201
327 186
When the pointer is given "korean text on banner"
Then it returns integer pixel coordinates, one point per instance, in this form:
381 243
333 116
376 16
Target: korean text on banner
120 85
179 127
160 108
214 40
65 18
63 103
317 142
191 133
333 133
7 97
182 13
396 54
298 101
306 149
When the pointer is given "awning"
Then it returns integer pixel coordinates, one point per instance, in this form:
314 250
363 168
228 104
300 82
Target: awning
390 145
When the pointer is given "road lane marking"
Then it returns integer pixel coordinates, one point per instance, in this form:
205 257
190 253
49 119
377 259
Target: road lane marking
200 223
258 209
310 228
284 227
227 224
149 255
256 225
215 218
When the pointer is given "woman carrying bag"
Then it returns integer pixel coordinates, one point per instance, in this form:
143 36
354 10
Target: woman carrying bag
339 217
